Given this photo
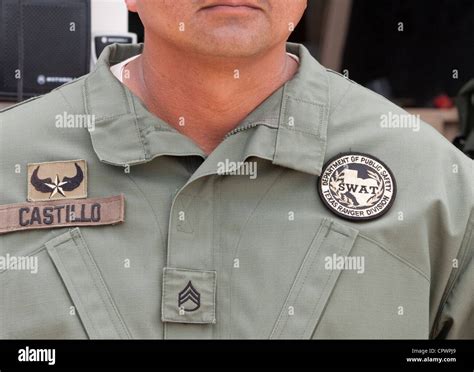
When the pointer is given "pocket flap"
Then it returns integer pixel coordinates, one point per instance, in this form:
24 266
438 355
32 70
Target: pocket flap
85 285
313 283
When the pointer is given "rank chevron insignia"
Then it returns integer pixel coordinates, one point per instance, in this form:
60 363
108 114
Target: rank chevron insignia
189 293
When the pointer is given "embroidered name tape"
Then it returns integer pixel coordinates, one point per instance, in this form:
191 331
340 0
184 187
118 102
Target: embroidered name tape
57 180
357 186
58 213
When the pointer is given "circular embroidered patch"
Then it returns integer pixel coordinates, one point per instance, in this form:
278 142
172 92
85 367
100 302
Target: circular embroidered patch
357 186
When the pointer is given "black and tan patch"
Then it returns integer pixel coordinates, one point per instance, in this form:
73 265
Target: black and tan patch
57 180
357 186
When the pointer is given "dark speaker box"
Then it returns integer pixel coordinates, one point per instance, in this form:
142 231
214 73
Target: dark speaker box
43 44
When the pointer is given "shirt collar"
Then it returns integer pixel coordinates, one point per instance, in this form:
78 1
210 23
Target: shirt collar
289 128
302 128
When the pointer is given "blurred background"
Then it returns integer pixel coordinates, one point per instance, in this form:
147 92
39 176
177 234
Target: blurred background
419 54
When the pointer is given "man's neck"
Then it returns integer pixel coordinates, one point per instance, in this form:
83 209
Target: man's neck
204 98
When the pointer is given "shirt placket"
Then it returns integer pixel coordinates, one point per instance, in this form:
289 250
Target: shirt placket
189 285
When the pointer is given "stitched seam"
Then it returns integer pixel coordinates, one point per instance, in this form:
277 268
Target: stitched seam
94 267
450 286
317 130
135 121
300 131
214 288
104 118
171 320
123 89
268 120
163 299
306 277
214 293
344 95
330 276
78 298
229 284
159 129
243 228
214 330
87 100
191 271
305 101
444 301
65 100
151 209
298 274
109 297
85 92
6 208
281 115
167 320
74 81
91 270
399 258
214 172
236 253
61 224
320 121
84 98
251 125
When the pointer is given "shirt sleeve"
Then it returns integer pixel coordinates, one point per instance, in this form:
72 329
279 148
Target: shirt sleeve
456 314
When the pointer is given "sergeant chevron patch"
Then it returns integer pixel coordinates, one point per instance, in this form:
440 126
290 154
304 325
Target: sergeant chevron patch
357 186
188 296
57 180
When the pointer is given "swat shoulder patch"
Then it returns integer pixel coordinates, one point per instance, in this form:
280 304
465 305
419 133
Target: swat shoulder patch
357 186
57 180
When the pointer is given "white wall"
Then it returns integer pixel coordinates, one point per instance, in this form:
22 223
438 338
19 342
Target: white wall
109 16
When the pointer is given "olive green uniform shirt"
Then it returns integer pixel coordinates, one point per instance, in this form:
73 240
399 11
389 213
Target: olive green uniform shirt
254 249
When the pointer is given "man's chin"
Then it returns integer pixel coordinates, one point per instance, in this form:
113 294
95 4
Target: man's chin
233 45
234 52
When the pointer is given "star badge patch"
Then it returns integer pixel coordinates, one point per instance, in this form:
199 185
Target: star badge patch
57 180
357 186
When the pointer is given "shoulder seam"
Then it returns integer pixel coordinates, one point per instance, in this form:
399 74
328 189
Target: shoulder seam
65 100
338 104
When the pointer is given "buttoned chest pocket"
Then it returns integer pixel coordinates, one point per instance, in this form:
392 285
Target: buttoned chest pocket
314 281
350 286
65 298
